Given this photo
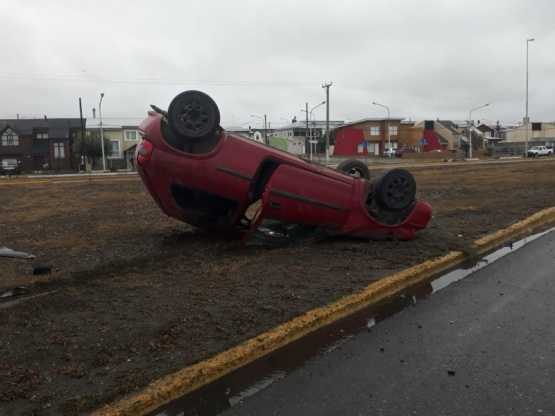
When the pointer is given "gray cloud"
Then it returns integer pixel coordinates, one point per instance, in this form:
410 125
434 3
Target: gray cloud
426 59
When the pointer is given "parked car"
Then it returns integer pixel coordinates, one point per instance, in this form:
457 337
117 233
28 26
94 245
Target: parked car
221 182
401 151
389 152
9 166
536 151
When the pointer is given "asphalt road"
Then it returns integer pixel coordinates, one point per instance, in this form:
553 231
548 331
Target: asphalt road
482 346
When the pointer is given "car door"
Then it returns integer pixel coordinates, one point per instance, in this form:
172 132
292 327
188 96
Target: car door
301 205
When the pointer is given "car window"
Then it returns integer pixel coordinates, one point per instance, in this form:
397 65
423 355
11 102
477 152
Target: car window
202 206
277 233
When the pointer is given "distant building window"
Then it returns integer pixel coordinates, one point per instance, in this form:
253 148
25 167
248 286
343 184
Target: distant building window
374 131
115 149
10 138
369 146
59 151
131 135
392 130
42 136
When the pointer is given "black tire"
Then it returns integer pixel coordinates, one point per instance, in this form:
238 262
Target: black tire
193 115
395 189
354 168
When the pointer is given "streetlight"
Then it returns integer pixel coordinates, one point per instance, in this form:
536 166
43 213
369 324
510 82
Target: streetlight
101 132
311 112
469 132
526 120
388 136
265 131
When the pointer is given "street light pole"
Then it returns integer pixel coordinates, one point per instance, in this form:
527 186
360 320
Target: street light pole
526 120
312 114
101 132
469 132
327 87
265 130
310 126
388 135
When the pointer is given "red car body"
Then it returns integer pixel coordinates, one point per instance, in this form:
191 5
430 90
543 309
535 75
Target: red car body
211 185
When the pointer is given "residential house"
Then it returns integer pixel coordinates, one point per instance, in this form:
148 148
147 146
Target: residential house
241 131
538 133
500 131
123 135
256 134
42 143
294 145
369 136
435 135
294 137
490 135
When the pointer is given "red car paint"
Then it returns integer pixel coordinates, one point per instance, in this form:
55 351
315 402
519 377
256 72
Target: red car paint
212 187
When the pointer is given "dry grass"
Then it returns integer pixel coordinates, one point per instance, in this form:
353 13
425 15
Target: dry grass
145 295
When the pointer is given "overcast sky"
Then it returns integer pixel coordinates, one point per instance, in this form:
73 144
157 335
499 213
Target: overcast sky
424 59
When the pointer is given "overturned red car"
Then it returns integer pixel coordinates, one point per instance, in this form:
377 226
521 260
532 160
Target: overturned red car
218 181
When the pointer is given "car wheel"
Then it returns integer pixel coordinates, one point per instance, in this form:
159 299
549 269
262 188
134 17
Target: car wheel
395 189
354 168
193 115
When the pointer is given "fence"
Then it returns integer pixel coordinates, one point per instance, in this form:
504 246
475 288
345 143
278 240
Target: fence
508 149
112 164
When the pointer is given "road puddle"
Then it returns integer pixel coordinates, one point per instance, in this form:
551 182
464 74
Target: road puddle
245 382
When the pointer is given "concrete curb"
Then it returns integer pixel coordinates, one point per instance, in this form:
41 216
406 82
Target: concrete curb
191 378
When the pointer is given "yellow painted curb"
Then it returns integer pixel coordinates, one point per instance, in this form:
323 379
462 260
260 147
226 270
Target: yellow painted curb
191 378
500 237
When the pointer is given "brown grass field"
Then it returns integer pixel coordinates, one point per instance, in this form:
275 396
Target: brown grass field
134 295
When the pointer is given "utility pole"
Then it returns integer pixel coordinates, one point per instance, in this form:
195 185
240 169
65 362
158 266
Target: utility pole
265 131
82 128
307 133
102 133
82 135
327 88
527 120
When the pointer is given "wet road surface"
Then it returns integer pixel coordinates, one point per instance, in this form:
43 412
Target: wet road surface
484 345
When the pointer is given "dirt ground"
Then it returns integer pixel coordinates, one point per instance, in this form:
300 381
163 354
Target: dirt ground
135 295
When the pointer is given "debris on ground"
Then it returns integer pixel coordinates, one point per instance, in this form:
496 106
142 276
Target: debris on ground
6 252
15 291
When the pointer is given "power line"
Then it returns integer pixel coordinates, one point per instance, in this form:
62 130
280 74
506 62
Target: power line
228 83
124 80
